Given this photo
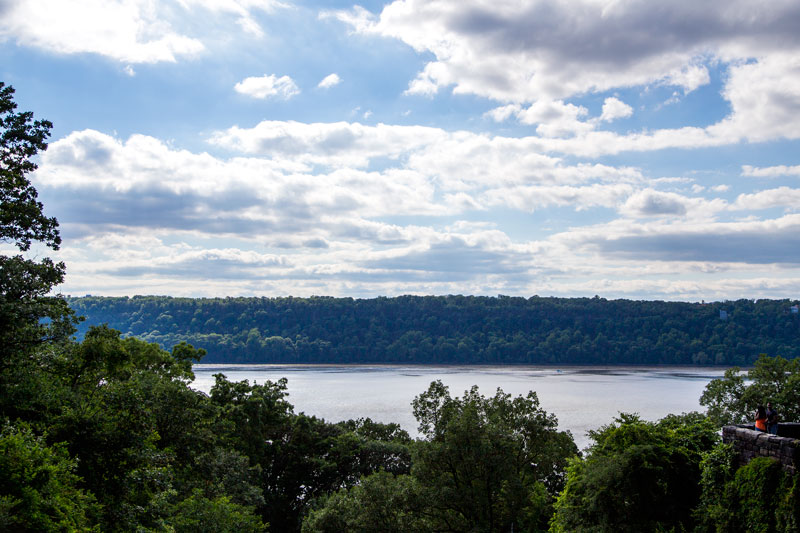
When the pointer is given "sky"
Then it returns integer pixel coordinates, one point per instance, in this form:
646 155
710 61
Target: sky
621 148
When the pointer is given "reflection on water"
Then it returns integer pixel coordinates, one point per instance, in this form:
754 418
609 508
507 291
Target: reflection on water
582 398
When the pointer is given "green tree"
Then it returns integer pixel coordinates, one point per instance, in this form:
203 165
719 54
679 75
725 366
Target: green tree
39 490
637 476
129 418
217 515
29 317
298 457
381 502
758 497
734 398
24 283
488 464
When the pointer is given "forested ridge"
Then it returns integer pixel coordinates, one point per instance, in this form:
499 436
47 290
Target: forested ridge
456 329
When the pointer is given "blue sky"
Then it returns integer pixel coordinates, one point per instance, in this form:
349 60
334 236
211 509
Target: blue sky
627 149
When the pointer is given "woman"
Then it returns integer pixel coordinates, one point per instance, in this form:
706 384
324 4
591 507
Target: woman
761 419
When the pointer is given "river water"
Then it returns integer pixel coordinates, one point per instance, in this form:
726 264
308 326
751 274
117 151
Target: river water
582 398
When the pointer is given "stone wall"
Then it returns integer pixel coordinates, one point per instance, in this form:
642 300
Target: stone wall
749 443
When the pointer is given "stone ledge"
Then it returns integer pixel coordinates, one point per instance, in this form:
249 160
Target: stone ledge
749 443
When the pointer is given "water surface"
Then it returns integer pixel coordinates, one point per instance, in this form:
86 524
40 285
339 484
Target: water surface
582 398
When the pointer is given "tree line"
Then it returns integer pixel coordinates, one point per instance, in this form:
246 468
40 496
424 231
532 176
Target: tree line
456 329
106 434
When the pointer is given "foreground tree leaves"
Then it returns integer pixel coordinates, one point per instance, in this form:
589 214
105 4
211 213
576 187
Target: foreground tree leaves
757 497
485 464
39 490
637 476
734 398
380 502
28 317
299 458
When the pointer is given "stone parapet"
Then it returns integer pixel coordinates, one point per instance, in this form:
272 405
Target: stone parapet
749 444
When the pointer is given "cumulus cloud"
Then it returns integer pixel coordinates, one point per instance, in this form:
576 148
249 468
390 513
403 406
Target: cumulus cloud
304 213
558 119
654 203
614 108
543 50
764 97
780 197
335 144
534 57
131 31
689 78
459 160
452 256
268 86
329 81
102 183
765 100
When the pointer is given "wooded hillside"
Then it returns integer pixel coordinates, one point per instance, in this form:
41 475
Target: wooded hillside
456 329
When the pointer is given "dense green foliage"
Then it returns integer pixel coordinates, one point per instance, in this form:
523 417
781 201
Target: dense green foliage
29 317
484 464
39 490
637 476
456 329
734 398
758 497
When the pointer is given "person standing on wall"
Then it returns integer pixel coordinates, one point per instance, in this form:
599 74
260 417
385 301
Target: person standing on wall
772 419
761 419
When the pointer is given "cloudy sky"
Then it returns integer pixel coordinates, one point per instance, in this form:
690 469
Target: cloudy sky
624 148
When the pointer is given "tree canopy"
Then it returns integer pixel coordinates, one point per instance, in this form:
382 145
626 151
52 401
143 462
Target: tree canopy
28 316
734 398
456 329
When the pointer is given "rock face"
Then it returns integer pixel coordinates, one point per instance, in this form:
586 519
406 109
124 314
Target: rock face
749 443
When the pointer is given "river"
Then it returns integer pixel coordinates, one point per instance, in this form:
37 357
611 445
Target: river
583 398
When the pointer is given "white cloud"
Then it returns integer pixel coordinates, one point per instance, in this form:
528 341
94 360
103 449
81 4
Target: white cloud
555 118
130 31
765 100
458 161
534 57
540 50
779 197
752 242
336 144
614 108
558 119
655 203
268 86
98 180
293 226
329 81
503 113
532 197
770 172
648 203
689 78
